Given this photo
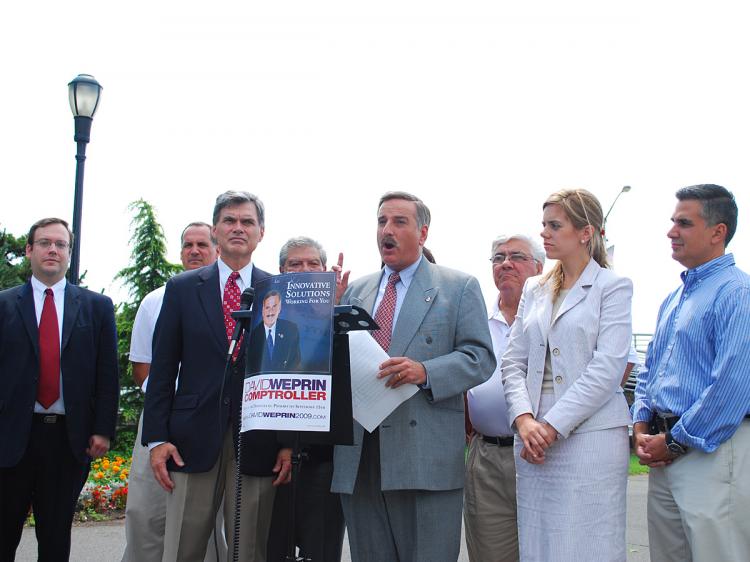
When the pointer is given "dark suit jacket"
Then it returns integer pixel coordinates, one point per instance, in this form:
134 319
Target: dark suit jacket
190 340
88 358
286 354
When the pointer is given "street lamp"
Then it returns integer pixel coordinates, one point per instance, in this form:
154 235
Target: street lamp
624 189
83 93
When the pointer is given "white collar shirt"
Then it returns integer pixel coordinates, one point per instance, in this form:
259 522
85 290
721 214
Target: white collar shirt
272 331
58 290
244 280
488 410
406 276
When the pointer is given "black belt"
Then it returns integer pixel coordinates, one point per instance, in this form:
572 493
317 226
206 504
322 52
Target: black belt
499 441
49 418
661 423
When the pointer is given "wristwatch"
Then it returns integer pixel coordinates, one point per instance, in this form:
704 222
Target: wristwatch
677 449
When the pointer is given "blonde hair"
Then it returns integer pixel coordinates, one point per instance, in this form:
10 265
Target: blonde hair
582 209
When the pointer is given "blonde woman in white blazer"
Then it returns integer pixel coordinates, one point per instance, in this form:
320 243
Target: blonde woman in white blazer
561 374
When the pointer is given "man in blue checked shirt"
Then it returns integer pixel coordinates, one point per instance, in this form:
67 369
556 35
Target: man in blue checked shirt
693 397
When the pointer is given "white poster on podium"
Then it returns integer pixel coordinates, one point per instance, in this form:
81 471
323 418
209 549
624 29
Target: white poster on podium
289 403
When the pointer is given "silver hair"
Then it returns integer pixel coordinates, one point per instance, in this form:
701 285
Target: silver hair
234 198
423 213
301 242
537 252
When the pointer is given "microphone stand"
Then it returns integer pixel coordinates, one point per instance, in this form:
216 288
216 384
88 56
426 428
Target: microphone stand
347 318
298 456
242 319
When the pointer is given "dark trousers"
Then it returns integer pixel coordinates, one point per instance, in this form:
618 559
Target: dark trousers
319 520
49 479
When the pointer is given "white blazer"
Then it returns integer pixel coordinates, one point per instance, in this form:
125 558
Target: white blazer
589 341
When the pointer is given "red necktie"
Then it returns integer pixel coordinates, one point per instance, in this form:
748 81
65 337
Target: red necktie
48 390
231 302
385 313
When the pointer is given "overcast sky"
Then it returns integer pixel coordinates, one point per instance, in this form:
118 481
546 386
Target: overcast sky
480 108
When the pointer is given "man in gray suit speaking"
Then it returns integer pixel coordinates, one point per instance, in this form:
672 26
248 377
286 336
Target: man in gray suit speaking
401 485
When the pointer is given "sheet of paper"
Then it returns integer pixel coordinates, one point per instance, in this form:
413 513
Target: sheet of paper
372 401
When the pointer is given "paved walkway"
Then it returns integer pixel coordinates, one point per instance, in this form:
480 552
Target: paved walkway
105 542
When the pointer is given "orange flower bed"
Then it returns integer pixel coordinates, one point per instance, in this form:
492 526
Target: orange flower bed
106 489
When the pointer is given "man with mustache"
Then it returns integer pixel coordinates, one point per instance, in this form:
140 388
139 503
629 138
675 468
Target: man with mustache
58 396
401 485
692 402
188 430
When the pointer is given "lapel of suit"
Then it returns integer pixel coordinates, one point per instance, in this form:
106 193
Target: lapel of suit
544 312
258 275
27 311
70 314
418 300
366 297
209 297
580 288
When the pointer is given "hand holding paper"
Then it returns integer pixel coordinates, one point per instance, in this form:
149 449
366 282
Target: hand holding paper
372 400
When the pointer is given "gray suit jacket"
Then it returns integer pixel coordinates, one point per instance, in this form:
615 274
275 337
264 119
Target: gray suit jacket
442 323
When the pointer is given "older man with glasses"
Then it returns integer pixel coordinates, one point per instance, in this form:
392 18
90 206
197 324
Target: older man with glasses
490 487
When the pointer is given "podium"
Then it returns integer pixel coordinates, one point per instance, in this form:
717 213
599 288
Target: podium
346 319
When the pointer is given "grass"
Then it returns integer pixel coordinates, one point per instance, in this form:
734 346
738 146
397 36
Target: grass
636 467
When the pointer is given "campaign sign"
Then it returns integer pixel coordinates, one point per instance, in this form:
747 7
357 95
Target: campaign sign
287 402
288 354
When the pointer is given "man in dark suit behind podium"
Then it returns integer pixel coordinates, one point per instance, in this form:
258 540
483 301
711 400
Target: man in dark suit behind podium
188 429
58 393
274 343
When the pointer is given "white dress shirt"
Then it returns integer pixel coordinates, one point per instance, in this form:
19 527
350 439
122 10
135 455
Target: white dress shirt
58 290
272 331
488 411
405 277
246 274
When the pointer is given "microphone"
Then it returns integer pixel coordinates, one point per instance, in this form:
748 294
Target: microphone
246 301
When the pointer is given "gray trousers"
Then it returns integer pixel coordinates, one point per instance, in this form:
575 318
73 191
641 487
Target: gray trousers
399 525
699 506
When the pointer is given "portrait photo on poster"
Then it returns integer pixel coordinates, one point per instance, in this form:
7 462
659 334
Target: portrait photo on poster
288 375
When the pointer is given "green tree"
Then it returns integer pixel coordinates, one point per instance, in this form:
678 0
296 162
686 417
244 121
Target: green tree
14 267
149 269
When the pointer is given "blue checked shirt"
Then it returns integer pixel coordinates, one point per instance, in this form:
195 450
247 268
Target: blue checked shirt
698 362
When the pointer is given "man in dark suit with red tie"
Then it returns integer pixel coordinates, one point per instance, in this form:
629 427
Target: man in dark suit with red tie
58 393
189 429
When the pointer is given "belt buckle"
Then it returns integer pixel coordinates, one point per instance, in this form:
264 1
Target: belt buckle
662 421
51 418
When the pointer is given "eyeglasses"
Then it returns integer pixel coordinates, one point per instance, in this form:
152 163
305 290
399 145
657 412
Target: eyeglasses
515 257
45 244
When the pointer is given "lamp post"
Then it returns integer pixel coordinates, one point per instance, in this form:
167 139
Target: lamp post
624 189
83 93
